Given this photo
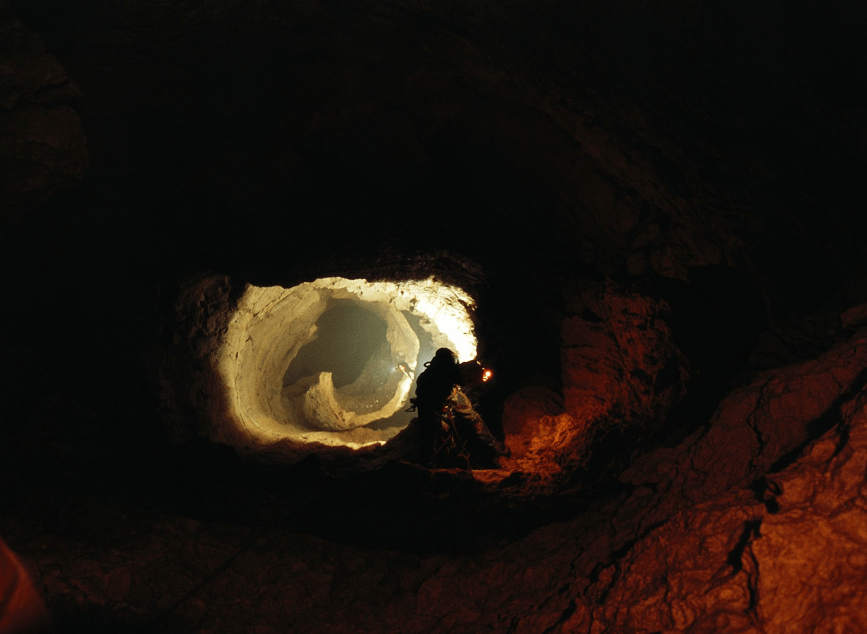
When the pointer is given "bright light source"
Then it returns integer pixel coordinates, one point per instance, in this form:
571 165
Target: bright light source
281 380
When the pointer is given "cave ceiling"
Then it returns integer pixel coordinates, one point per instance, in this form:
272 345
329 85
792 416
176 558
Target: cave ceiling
642 139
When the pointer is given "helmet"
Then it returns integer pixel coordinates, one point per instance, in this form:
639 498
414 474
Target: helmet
444 355
443 358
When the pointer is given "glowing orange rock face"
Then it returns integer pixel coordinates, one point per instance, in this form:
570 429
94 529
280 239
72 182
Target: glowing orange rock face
618 353
755 523
21 608
617 356
753 526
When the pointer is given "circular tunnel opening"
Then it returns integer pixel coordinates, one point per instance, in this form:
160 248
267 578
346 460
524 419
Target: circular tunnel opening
329 364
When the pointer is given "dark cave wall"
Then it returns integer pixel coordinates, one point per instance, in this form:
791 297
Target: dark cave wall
640 139
688 544
634 142
42 146
622 141
699 164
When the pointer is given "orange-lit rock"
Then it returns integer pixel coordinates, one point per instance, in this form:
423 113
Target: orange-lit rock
618 356
714 558
21 608
759 428
620 368
528 415
693 546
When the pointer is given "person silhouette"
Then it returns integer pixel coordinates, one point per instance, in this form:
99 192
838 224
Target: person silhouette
453 433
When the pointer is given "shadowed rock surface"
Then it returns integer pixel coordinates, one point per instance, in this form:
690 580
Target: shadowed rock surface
42 143
657 210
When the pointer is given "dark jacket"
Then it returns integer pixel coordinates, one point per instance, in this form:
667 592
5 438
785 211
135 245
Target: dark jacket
451 429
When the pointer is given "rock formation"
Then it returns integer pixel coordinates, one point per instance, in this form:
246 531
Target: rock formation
42 143
650 215
233 359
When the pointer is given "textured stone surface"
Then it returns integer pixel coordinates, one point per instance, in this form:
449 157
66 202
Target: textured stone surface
758 428
693 545
232 347
21 609
42 143
574 156
734 564
618 354
620 370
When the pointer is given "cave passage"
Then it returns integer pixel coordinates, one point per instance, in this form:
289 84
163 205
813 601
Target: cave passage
348 338
330 363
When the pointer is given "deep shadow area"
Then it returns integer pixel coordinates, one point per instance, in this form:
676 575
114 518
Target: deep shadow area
716 320
97 491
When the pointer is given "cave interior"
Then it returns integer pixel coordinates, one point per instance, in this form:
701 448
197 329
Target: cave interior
646 218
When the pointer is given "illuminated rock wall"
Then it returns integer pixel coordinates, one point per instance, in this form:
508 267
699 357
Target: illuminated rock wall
689 544
248 345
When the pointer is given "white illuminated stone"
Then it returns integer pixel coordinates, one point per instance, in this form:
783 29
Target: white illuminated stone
271 325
